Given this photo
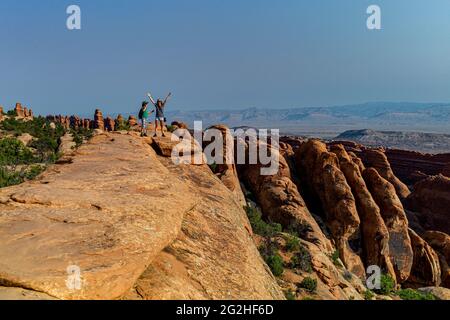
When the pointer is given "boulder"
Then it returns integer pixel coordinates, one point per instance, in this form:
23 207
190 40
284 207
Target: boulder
391 209
377 159
25 138
374 233
226 171
132 121
430 201
329 187
426 270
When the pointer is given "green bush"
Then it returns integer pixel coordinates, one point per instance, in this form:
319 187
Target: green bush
348 275
271 256
292 243
11 113
14 152
387 285
289 295
33 172
302 260
123 126
335 258
309 284
9 177
369 295
259 226
411 294
275 262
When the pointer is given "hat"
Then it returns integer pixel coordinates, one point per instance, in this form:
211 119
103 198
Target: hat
144 103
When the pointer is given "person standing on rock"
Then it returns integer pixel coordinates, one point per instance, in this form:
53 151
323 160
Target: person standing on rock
143 116
159 107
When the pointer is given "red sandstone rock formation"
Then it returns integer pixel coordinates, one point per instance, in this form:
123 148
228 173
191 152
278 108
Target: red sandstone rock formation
440 242
406 163
281 202
132 121
110 124
430 201
322 175
227 171
179 125
426 270
391 209
98 120
374 233
378 160
19 110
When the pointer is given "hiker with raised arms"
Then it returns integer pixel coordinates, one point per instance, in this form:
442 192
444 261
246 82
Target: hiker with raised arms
143 116
159 107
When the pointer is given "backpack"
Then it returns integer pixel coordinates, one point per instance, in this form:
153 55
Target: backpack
141 114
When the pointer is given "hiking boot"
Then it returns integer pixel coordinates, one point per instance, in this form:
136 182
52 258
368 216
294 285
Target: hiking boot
155 135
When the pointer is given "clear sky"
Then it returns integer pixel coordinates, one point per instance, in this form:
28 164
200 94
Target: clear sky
216 54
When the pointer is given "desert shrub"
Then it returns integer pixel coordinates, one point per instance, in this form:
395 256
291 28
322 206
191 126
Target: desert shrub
33 172
348 275
275 262
308 284
11 113
289 294
9 177
369 295
171 128
80 135
301 260
292 243
308 299
387 285
411 294
335 258
14 152
213 167
123 126
259 226
269 252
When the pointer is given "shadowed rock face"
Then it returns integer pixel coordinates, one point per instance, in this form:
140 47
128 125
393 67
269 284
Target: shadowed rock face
391 209
374 233
378 160
440 242
328 184
426 270
281 202
430 201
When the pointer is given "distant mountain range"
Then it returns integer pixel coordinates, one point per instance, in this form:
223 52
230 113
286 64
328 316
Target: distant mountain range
328 122
414 141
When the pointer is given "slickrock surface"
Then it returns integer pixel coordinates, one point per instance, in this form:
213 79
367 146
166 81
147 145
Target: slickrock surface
378 160
374 233
391 209
214 256
430 202
426 270
136 228
110 212
330 189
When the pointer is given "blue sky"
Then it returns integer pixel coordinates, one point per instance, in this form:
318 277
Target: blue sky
215 54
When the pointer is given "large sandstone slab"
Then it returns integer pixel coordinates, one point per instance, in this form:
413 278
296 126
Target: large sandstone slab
214 256
109 212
